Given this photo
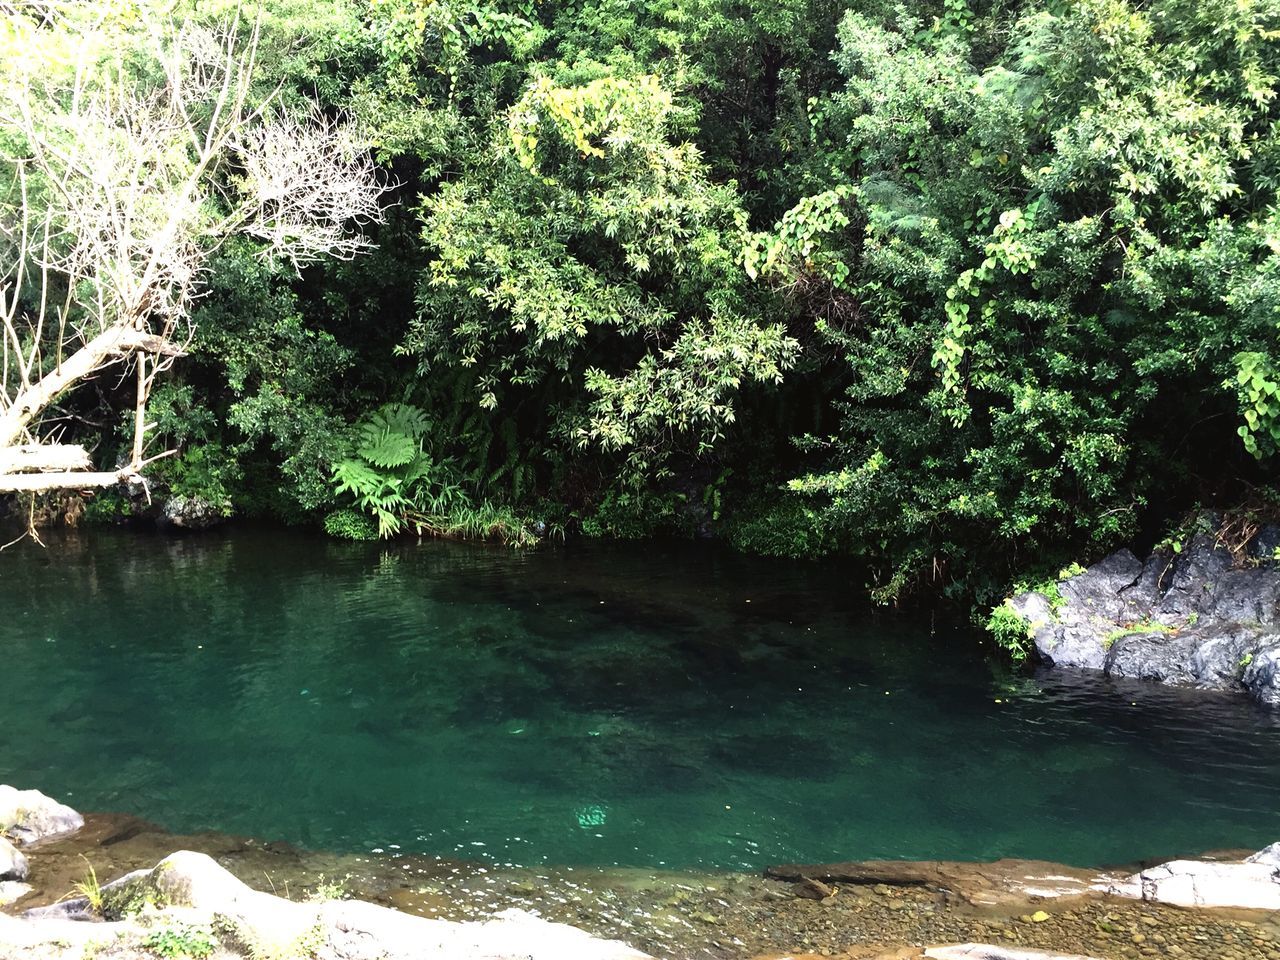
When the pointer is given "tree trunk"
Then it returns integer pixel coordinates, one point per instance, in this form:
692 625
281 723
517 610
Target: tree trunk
116 340
75 480
58 457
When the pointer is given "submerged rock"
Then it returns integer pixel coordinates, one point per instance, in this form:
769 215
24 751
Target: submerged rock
28 815
1195 618
980 884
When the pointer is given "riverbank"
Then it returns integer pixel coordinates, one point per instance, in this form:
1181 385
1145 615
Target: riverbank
683 915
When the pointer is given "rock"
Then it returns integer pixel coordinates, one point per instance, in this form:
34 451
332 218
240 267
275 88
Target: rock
1219 660
984 951
1193 618
355 930
811 889
194 887
50 939
1265 542
13 865
1269 855
1192 579
11 891
980 884
1152 656
192 513
1262 674
1195 883
28 815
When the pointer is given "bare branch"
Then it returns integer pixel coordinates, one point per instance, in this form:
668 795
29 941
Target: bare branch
120 188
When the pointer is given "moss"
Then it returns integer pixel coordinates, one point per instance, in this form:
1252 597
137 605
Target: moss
130 899
1135 629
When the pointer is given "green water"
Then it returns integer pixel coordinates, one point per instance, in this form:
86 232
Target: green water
591 704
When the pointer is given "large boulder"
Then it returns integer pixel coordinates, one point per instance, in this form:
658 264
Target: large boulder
13 865
1252 883
28 815
195 888
1152 655
1195 618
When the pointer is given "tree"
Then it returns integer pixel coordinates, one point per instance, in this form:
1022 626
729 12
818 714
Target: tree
1059 232
123 172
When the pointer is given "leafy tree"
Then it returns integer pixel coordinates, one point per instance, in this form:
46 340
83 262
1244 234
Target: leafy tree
1048 242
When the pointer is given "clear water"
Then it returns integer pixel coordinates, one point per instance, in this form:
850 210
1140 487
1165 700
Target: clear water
592 704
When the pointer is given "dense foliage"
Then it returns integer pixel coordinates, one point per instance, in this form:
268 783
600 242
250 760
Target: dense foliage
963 289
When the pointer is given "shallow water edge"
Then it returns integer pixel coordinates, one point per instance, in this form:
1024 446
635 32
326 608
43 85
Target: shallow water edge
680 915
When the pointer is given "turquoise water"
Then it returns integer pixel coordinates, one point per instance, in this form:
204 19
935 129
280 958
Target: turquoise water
590 704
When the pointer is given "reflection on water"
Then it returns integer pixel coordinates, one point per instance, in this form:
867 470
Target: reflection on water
671 706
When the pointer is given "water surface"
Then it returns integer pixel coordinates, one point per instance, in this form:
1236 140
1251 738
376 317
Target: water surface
672 705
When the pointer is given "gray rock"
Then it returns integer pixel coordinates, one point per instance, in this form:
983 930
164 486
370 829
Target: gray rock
1071 645
1104 589
13 865
1247 596
1265 543
1059 643
28 815
192 513
1193 579
1222 654
1262 674
1152 656
1193 618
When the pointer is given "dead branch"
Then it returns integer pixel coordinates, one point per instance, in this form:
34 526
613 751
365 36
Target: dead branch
118 190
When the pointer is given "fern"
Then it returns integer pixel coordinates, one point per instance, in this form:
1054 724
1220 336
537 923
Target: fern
401 418
395 481
387 450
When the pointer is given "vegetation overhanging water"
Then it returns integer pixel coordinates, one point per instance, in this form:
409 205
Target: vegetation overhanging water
673 706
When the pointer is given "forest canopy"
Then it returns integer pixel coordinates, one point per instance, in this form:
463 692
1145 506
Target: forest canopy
958 289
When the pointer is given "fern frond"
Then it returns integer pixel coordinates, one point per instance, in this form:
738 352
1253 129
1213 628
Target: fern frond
387 450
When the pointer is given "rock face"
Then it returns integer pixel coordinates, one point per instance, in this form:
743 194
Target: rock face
1253 883
1196 618
13 865
28 815
191 888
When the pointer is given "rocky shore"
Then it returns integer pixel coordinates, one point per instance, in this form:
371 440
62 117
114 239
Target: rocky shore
1200 613
224 897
